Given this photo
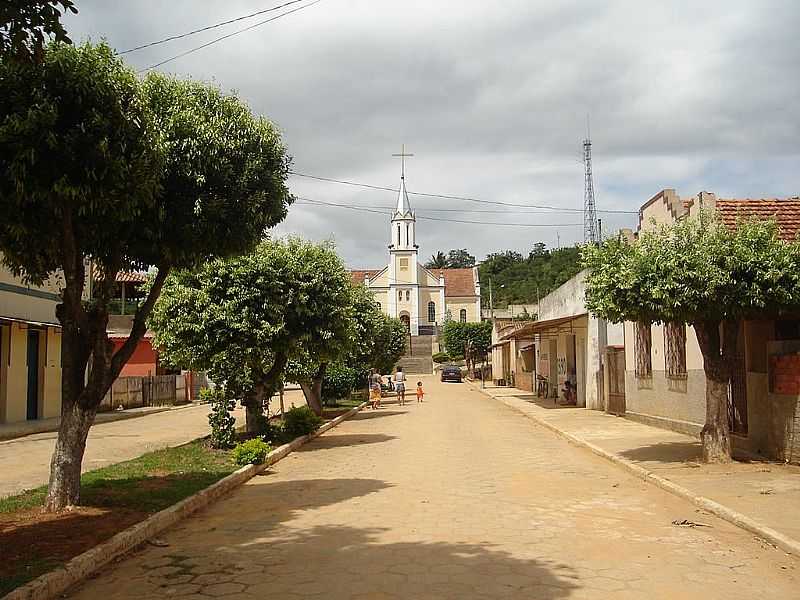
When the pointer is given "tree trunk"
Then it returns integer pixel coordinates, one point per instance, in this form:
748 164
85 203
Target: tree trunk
717 366
253 404
65 466
313 390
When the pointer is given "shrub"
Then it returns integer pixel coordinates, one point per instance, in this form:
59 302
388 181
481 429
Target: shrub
223 430
299 421
274 434
251 452
441 357
340 380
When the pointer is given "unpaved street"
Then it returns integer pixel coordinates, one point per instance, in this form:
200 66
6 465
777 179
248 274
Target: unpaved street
461 497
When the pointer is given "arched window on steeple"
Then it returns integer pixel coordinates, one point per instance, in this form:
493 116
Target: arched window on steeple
431 312
407 228
398 234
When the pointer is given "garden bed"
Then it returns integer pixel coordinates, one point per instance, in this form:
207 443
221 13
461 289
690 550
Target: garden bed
113 498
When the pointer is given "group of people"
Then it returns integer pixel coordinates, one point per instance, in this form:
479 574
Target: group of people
398 381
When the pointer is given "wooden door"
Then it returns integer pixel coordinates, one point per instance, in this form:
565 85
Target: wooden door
33 375
615 375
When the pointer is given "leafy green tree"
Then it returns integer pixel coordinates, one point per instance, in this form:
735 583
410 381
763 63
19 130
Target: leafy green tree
437 261
470 340
390 344
98 168
460 259
244 318
24 25
700 272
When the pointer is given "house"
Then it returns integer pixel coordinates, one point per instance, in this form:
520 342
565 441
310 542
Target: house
406 290
664 381
30 349
565 344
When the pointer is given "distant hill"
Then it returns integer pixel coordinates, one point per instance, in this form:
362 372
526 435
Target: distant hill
515 277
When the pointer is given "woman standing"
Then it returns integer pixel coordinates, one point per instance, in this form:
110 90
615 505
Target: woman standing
400 385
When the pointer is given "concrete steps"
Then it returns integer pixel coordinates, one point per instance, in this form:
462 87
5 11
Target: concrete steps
417 359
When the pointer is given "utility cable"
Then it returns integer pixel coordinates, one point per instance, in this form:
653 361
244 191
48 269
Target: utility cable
301 200
465 198
229 35
209 27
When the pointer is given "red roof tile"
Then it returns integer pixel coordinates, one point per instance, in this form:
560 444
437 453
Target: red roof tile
786 213
358 276
457 282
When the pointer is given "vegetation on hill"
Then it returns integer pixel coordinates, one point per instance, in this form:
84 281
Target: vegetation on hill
455 259
516 279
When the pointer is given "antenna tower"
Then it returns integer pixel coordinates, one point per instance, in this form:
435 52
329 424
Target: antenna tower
590 233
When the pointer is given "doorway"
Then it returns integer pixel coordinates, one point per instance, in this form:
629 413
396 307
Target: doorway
406 320
33 375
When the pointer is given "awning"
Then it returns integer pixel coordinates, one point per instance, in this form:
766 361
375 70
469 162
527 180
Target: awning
4 319
559 324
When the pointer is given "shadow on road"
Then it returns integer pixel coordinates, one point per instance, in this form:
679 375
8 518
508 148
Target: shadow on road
345 439
365 415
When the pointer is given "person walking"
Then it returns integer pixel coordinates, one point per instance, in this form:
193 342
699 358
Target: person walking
375 381
400 385
420 392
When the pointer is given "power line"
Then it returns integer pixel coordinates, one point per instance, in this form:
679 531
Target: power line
209 27
381 212
229 35
465 198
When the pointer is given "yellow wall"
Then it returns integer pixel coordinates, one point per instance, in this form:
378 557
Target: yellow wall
14 373
426 296
454 305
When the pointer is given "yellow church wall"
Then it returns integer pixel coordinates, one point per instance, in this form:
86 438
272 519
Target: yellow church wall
404 265
454 305
51 375
382 280
426 278
16 374
382 299
425 296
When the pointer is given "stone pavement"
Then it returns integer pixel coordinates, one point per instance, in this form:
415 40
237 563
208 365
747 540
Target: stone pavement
460 497
25 461
767 492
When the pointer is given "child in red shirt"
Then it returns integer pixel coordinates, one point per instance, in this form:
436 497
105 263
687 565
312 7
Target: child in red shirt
420 392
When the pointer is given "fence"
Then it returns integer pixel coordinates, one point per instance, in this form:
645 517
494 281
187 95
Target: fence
135 392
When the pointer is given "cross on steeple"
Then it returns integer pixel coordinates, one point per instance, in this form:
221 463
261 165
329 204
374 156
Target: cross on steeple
402 156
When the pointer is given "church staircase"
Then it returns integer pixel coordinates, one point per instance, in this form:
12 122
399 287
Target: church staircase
418 355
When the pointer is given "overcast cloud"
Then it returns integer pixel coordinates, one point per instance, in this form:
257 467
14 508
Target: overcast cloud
492 98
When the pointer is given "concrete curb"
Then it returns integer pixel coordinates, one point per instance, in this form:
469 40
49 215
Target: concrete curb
50 585
776 538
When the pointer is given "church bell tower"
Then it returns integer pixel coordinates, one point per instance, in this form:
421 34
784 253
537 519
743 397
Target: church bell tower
403 270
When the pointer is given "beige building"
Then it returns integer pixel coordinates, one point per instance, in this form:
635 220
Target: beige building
664 381
30 350
420 297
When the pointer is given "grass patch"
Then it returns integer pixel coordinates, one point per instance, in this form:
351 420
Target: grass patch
112 499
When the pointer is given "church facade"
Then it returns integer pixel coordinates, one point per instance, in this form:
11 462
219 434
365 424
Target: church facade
420 297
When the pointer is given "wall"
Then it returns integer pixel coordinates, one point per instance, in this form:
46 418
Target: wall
430 295
455 304
144 360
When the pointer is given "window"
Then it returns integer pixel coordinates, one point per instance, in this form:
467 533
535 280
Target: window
641 348
462 315
404 264
431 312
398 234
675 350
400 295
407 228
408 295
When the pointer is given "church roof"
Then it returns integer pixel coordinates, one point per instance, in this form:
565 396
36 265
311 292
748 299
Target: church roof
457 282
403 205
358 276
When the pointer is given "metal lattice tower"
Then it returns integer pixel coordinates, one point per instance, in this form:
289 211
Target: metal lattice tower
590 233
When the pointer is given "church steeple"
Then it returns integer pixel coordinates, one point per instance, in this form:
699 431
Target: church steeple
403 205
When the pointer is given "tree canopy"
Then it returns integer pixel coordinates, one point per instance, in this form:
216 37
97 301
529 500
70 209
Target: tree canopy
517 279
700 272
244 318
97 167
25 25
455 259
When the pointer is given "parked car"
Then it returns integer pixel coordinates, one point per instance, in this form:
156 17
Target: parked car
451 373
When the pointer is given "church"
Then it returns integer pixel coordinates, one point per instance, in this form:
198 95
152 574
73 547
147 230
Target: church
421 298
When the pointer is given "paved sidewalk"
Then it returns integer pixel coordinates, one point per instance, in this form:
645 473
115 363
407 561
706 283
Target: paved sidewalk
766 492
456 498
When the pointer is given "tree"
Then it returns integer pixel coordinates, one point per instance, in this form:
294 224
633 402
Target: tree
460 259
700 272
437 261
244 318
375 341
468 339
98 168
24 24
